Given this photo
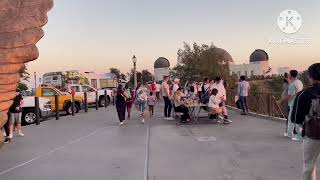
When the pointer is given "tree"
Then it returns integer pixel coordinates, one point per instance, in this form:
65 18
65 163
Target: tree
22 86
198 62
115 71
24 74
146 76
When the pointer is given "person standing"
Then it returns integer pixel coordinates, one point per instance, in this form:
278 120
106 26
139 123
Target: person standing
222 95
166 97
294 88
16 112
158 89
129 100
7 130
243 92
121 104
151 103
142 101
175 85
306 110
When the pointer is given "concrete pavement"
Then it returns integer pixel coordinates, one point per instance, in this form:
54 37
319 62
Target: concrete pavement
92 146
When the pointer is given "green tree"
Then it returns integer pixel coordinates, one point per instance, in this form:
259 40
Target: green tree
118 73
197 62
22 86
146 76
24 74
115 71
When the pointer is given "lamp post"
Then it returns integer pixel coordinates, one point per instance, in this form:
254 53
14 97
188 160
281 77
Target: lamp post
134 60
35 80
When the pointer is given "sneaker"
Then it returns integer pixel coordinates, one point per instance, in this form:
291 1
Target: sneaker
285 134
170 119
227 121
7 140
165 118
296 139
121 123
21 134
142 121
10 136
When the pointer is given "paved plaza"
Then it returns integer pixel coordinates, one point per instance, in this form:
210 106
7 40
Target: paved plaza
92 146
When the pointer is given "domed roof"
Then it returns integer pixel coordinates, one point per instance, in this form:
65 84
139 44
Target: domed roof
223 53
259 55
162 62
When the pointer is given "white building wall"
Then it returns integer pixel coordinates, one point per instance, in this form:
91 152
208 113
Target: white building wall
160 72
251 69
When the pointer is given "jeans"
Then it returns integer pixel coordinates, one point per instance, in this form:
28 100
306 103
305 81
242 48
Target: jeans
292 126
244 105
311 150
167 106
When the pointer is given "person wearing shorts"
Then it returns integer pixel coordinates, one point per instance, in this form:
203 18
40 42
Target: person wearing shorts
15 117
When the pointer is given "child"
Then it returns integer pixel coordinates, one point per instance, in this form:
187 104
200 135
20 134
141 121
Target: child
214 107
151 103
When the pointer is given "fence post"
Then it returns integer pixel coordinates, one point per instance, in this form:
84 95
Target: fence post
36 102
56 102
72 105
270 105
85 102
97 101
257 103
105 98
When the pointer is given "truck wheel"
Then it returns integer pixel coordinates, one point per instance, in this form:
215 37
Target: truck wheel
29 116
102 102
69 108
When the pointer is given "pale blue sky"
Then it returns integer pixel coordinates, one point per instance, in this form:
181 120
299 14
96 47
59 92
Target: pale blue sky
99 34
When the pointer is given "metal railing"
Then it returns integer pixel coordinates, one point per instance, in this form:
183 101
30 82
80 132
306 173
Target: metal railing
261 103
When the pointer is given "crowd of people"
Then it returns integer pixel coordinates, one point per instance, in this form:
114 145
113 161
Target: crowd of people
210 93
303 123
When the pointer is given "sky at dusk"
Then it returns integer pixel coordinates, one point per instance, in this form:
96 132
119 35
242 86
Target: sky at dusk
99 34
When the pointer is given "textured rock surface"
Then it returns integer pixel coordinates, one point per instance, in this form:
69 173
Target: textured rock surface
21 24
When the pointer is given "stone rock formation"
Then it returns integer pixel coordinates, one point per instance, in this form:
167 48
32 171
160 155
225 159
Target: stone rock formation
21 24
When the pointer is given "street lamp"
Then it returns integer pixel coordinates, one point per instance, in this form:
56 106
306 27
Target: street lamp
35 80
134 60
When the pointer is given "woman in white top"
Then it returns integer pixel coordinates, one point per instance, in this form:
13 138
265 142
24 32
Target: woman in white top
214 107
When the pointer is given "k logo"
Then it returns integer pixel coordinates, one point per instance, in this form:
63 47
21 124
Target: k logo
289 21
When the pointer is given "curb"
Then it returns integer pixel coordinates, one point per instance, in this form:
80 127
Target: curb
259 115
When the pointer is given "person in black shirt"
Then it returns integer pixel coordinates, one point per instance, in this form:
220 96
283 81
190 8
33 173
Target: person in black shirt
15 118
301 109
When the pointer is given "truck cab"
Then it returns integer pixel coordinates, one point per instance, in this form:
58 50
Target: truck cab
65 99
91 94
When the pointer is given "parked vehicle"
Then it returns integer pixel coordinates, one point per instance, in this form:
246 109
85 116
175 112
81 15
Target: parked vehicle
65 99
29 110
102 80
91 94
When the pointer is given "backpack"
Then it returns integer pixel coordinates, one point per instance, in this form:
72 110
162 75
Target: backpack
312 120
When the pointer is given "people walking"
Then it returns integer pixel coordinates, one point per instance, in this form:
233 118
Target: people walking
306 110
151 103
121 104
243 92
294 88
158 89
166 97
15 117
